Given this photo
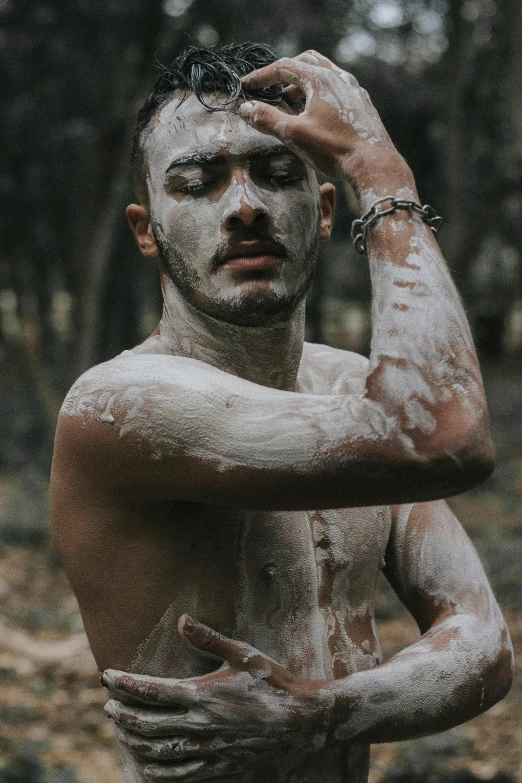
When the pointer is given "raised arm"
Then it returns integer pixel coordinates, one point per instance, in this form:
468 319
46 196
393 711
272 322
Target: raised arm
179 429
171 428
423 366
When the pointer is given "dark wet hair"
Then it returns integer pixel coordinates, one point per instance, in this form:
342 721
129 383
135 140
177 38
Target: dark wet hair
202 71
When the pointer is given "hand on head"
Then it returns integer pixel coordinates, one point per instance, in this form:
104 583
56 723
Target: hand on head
339 122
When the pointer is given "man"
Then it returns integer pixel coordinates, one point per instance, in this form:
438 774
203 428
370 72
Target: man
226 470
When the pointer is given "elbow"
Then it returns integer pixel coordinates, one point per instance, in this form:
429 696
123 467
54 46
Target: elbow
503 669
497 677
470 444
462 457
475 460
503 684
450 472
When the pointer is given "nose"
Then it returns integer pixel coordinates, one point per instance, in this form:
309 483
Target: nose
245 209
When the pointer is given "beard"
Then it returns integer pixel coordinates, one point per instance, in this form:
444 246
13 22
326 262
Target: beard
247 308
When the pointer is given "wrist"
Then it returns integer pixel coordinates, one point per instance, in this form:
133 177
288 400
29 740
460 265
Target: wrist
344 699
374 173
317 702
391 205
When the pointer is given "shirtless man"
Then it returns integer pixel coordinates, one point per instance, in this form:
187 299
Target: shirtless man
226 470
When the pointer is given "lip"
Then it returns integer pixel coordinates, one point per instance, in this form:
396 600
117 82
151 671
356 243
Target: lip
253 255
254 263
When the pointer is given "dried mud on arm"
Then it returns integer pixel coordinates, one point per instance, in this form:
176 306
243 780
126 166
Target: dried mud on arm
424 370
176 429
461 665
419 430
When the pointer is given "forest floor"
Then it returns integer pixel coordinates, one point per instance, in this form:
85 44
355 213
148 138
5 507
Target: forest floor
52 725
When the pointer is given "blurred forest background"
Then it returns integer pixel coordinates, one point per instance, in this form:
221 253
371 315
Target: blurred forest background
446 76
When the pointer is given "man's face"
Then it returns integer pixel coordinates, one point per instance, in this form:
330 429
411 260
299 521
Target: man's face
234 212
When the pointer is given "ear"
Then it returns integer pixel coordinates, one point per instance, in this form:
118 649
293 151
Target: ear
327 210
138 217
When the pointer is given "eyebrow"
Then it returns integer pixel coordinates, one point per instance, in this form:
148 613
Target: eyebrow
258 153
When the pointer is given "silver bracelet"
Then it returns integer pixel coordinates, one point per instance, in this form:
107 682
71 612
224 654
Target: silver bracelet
361 227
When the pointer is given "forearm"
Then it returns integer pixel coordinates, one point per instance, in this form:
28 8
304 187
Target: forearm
423 365
455 671
424 406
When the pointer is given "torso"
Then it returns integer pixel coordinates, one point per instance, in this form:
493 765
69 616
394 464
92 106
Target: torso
297 585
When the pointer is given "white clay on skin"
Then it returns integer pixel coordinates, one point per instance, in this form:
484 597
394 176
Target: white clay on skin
209 396
180 222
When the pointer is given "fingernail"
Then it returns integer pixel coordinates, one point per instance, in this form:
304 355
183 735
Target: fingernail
246 109
189 624
109 709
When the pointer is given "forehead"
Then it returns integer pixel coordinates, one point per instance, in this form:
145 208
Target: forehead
187 128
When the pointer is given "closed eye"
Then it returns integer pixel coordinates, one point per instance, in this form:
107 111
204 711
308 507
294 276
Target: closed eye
284 178
194 188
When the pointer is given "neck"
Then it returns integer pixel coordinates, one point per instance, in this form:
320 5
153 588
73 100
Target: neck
267 355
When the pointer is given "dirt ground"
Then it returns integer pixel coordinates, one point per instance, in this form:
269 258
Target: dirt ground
53 728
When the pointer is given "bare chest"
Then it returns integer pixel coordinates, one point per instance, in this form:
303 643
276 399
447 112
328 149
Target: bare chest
297 585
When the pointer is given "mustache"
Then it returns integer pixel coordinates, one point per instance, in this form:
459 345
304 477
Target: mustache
246 234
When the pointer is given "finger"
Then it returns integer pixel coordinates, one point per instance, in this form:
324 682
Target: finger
293 93
309 57
150 690
238 654
157 723
287 69
200 769
268 119
186 770
314 57
165 749
181 748
241 656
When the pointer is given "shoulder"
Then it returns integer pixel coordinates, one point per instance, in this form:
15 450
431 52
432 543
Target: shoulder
146 400
129 376
326 370
118 411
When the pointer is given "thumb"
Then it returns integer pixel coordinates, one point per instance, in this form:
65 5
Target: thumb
267 119
215 645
